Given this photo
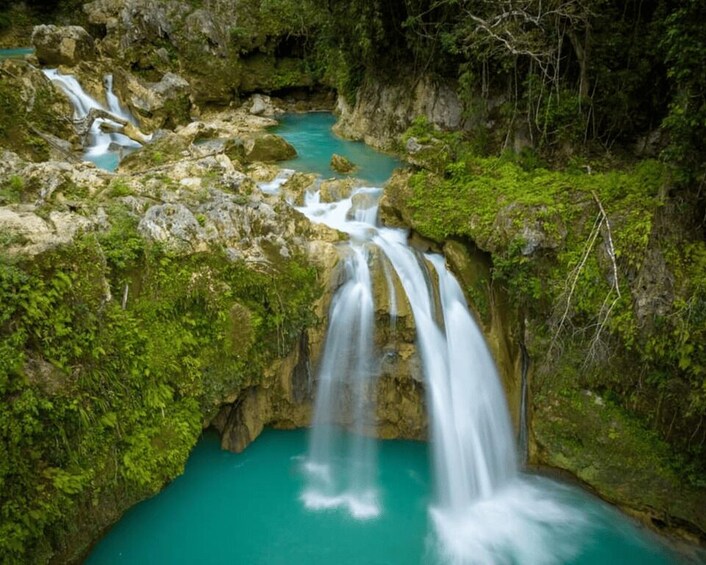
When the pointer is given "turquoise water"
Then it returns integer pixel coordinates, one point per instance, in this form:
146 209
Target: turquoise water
245 509
108 161
17 53
311 136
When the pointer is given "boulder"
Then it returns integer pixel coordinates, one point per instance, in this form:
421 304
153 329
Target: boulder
33 113
261 105
268 148
341 165
63 45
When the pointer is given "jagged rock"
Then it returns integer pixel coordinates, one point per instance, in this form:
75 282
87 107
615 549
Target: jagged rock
341 165
128 23
202 25
66 45
175 226
155 104
268 148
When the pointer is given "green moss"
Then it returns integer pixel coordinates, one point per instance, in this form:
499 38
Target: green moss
550 251
615 452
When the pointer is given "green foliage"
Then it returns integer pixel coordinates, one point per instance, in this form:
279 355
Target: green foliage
108 395
11 189
538 224
684 44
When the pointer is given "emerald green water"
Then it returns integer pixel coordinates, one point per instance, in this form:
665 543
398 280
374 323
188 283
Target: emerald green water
17 53
245 509
311 135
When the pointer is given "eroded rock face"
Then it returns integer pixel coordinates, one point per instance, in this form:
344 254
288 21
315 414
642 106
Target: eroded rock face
383 112
155 104
67 45
34 114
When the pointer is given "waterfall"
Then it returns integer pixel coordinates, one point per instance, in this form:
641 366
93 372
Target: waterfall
103 148
483 511
472 442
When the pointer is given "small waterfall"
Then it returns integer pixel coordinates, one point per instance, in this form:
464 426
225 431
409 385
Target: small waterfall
342 465
103 148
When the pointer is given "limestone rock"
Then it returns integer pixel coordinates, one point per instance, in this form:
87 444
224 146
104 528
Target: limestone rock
383 111
128 23
30 234
261 105
268 148
298 185
175 226
33 113
67 45
333 190
341 165
155 104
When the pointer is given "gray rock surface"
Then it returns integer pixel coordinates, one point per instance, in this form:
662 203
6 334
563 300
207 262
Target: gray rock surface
63 45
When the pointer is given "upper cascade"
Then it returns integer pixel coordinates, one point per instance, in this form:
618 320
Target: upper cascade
110 129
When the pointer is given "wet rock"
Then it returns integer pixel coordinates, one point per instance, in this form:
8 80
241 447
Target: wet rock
297 186
333 190
67 45
341 165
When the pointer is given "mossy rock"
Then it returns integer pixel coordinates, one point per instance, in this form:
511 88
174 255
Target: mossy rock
268 148
33 114
166 149
627 464
342 165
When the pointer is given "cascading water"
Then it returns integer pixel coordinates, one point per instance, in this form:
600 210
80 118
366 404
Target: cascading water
341 466
103 148
482 511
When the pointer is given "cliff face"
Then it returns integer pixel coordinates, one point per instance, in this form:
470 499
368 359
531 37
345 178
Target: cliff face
382 112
